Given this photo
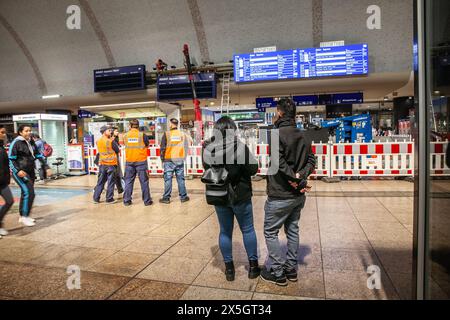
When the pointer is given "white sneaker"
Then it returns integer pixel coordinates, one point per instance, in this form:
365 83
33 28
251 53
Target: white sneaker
3 232
26 221
32 219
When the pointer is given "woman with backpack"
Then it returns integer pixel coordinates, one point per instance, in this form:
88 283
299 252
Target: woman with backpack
22 157
45 150
229 166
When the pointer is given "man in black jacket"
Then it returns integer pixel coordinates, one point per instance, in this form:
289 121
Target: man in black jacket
286 188
5 176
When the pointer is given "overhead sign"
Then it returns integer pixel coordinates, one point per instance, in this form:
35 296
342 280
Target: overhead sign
338 43
309 100
119 78
302 63
44 116
347 98
265 103
265 49
178 87
83 114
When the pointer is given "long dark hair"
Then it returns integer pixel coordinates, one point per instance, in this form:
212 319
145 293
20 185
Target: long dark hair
224 125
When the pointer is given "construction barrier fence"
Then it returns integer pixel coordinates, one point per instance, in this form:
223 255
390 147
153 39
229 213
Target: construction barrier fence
375 159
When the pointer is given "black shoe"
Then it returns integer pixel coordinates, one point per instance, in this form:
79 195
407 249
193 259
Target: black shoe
149 203
291 274
127 204
254 270
165 201
185 199
229 271
269 276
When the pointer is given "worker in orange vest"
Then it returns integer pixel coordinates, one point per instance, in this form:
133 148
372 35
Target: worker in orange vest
136 145
107 150
174 146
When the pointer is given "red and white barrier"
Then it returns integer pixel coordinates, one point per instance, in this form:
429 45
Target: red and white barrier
437 159
372 159
92 153
262 155
193 163
387 159
155 166
323 159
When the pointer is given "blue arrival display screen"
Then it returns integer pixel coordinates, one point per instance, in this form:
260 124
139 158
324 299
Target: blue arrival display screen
334 61
266 66
302 63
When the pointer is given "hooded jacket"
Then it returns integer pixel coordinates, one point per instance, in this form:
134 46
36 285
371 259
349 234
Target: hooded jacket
240 163
5 175
295 156
22 155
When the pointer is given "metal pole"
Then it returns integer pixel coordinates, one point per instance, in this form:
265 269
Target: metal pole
422 156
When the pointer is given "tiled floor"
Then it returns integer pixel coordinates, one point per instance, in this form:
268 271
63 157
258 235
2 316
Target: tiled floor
171 252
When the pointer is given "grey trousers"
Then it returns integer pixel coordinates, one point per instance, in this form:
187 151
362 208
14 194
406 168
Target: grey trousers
279 213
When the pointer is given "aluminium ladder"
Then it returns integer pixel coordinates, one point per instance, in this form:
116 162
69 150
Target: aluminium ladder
225 101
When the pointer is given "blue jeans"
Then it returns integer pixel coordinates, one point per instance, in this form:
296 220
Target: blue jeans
105 174
169 169
244 215
279 213
131 170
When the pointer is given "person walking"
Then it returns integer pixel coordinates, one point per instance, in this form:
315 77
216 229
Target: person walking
136 145
41 164
119 175
5 177
174 146
22 162
225 157
286 195
107 151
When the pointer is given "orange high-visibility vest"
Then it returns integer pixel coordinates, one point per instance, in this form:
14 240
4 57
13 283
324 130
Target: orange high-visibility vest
135 148
107 156
175 145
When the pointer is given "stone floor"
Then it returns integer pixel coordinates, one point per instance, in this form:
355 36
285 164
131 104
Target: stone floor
171 251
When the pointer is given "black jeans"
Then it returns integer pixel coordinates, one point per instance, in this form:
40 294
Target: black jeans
5 193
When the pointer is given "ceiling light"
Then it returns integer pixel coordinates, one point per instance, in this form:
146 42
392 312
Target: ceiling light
51 96
211 103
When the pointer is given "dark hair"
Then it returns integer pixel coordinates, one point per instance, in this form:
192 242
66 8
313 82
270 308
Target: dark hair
134 123
225 123
2 126
35 135
22 127
174 121
287 108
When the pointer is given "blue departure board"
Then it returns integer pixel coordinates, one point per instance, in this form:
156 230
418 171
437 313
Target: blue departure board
334 61
266 66
302 63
